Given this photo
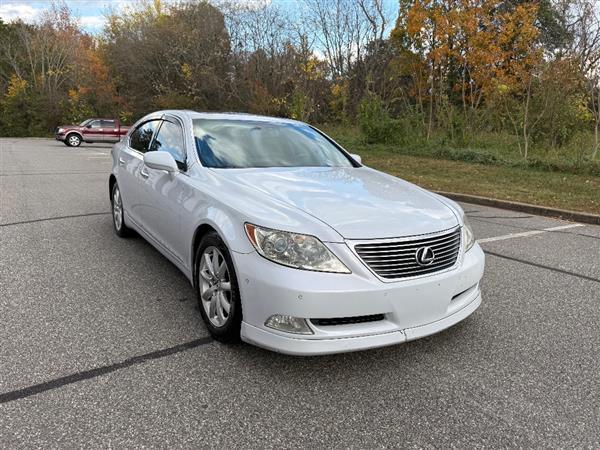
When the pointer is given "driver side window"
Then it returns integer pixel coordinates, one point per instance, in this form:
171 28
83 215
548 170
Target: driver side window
142 136
170 139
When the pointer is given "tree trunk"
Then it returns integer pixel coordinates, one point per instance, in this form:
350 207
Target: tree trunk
526 122
596 139
431 97
596 108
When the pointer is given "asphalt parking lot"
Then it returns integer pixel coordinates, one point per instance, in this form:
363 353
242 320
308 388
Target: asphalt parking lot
101 344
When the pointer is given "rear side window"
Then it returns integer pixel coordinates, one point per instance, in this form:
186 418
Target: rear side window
108 124
170 139
142 136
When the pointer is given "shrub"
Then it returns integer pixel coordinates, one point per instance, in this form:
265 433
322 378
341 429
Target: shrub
19 110
375 121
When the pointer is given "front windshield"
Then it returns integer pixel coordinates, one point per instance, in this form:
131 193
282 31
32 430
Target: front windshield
84 123
228 144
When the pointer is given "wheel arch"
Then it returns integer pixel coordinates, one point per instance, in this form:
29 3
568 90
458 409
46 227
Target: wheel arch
225 225
69 133
201 231
111 182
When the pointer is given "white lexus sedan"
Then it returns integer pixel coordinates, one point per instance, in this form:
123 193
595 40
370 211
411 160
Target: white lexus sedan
290 242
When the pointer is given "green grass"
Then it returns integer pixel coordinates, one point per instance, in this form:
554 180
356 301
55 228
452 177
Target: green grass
486 148
540 184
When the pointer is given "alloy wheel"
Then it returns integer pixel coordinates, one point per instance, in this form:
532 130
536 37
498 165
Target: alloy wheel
117 206
74 140
215 286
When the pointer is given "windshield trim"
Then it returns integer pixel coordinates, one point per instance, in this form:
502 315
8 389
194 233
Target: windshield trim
345 152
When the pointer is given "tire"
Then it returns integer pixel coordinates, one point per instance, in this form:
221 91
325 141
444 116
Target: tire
73 140
118 213
220 288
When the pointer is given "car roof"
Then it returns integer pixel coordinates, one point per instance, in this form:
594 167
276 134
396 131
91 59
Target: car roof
226 116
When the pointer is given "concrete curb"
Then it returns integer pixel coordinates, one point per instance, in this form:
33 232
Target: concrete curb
573 216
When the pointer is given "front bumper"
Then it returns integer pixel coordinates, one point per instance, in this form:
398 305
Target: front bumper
59 136
306 347
411 308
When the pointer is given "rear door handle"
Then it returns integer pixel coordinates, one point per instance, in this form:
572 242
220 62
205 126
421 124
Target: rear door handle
121 162
144 174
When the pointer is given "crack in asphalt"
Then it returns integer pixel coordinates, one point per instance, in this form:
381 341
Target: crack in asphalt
54 218
542 266
56 383
18 174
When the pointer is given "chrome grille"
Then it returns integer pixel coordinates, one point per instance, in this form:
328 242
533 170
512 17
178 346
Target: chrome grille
398 259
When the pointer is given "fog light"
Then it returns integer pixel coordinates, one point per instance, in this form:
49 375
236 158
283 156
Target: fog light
289 324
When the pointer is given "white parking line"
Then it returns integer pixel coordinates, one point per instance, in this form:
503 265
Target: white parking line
529 233
92 154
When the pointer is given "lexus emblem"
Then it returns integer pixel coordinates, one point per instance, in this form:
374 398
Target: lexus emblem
424 256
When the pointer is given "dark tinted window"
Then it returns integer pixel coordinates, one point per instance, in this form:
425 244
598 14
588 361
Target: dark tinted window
108 124
96 124
244 143
142 136
170 139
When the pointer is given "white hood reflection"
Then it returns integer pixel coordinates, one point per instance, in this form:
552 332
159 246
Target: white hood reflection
359 203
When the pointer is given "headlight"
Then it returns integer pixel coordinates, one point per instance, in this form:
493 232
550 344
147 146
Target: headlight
469 237
61 130
300 251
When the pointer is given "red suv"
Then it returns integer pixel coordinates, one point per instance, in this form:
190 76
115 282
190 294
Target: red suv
91 130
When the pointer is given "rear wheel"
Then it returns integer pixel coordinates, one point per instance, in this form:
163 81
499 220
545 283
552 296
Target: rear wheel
73 140
118 212
217 289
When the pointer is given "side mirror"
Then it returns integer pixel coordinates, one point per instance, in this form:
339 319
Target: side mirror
356 157
89 125
160 161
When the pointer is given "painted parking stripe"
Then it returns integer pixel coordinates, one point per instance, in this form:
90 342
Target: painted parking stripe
529 233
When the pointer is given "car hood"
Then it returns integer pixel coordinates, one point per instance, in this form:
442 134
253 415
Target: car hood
359 203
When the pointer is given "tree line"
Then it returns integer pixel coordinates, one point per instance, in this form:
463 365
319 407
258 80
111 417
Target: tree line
452 71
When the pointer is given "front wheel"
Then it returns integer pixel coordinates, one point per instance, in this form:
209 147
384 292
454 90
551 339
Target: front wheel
217 289
73 140
118 212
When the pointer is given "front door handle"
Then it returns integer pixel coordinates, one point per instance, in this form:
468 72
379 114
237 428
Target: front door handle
121 162
144 174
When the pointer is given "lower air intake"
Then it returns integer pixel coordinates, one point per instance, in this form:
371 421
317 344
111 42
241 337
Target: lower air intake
347 320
